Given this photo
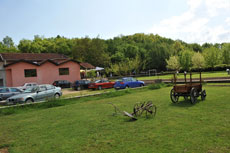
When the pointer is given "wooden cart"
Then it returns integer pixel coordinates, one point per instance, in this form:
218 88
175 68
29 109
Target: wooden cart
189 89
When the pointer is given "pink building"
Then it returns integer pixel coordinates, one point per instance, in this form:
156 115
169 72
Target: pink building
19 68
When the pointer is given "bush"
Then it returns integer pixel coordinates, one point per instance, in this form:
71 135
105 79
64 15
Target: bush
157 86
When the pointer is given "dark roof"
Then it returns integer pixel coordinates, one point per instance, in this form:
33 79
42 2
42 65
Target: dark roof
87 66
34 58
31 56
42 62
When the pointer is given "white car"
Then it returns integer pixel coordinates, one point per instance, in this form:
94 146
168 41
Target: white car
28 85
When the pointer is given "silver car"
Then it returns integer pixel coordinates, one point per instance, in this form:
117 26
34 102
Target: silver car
37 93
7 92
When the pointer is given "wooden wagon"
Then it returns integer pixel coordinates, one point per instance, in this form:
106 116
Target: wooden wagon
188 90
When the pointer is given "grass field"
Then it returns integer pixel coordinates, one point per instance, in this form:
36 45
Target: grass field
87 124
181 75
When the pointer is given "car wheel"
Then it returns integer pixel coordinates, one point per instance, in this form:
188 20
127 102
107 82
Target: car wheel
56 96
29 100
99 87
141 85
126 87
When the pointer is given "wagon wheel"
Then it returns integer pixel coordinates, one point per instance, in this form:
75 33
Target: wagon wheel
173 96
203 95
138 109
150 109
193 95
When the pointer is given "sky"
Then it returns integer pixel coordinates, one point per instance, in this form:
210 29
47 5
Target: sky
193 21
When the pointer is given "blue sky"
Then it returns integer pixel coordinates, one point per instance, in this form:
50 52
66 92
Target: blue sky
189 20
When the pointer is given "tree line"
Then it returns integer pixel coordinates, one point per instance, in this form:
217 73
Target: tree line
123 55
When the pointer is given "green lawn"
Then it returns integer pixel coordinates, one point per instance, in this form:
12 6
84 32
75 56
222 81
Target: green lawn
181 75
219 84
87 125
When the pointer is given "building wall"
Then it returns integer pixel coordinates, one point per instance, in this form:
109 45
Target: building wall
2 75
47 73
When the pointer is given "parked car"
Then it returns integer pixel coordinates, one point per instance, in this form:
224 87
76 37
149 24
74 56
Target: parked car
81 84
128 82
101 84
27 85
7 92
62 83
37 93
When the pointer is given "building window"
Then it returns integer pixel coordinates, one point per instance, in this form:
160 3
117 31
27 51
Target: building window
30 72
63 71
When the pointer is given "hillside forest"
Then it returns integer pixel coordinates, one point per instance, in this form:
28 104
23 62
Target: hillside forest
135 53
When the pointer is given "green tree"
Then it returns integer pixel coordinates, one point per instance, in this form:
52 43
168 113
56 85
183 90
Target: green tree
8 42
207 45
212 57
7 45
173 63
114 68
196 47
198 61
226 53
186 60
81 48
177 47
156 56
135 64
25 45
97 54
92 51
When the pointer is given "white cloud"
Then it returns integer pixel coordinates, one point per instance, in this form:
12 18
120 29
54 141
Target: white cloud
214 6
193 4
204 21
227 21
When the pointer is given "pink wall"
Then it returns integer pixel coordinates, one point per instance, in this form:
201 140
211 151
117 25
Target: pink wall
47 73
9 78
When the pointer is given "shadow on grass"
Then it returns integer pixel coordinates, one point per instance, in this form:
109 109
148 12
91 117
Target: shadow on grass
129 119
185 103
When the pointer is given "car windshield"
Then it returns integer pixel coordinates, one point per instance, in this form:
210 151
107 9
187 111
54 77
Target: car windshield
31 89
97 81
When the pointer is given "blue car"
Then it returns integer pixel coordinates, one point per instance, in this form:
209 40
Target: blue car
128 82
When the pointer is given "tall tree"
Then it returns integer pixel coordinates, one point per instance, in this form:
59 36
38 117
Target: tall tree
7 45
173 63
226 53
186 60
25 46
8 42
92 51
196 47
212 57
198 61
177 47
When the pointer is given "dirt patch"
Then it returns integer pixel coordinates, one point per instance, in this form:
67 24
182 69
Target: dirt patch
68 91
4 150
